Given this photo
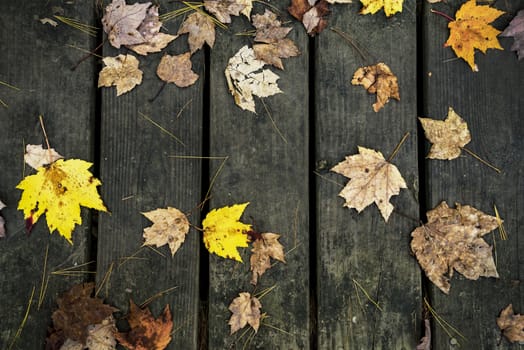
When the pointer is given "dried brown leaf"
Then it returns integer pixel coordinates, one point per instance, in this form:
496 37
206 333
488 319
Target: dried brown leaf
452 240
121 71
269 28
156 44
177 70
200 29
516 30
511 325
312 16
121 22
170 226
224 9
378 79
265 248
36 156
425 341
102 336
246 310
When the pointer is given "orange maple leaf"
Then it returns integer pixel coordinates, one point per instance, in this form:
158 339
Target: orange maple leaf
471 30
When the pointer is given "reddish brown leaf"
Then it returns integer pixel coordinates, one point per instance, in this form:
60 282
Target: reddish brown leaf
246 310
264 248
516 30
511 325
200 29
313 17
177 70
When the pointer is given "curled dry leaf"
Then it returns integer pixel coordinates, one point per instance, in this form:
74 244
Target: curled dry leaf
452 240
224 233
177 70
36 156
373 6
511 325
447 136
121 22
200 29
312 15
516 30
246 310
264 248
378 79
121 71
170 226
147 333
245 78
471 30
373 179
224 9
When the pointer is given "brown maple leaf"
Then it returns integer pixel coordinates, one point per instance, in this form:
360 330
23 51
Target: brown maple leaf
147 333
448 136
156 44
471 30
452 240
121 71
170 226
224 9
246 310
378 79
200 29
511 325
264 248
102 336
373 180
177 70
516 30
76 311
121 22
311 16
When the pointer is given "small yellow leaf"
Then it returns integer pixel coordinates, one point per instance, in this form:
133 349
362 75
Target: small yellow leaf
373 6
224 233
58 191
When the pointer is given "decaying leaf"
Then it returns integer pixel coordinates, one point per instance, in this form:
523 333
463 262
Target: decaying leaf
311 14
248 7
246 310
121 22
224 233
264 248
271 33
378 79
170 226
147 333
447 136
200 29
36 156
102 336
516 30
471 30
373 6
452 240
2 221
224 9
48 21
177 70
156 44
373 179
121 71
425 341
511 325
58 191
245 78
76 314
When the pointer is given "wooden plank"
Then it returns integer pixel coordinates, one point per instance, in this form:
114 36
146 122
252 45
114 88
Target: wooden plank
490 103
140 175
272 174
36 59
362 247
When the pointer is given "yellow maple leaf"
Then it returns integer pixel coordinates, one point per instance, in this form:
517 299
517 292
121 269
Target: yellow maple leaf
373 6
224 233
471 30
58 190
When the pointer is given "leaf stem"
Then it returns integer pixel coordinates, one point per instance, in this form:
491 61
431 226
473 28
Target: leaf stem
397 148
442 14
477 157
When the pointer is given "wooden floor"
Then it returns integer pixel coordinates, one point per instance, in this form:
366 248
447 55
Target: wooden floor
286 178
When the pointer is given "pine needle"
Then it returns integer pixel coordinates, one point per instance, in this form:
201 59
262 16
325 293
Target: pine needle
449 329
156 296
197 7
105 279
273 122
164 130
72 270
5 105
265 292
9 86
500 222
85 28
45 279
24 320
366 294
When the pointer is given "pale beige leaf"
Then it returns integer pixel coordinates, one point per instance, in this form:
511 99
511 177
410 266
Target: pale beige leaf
101 336
200 29
121 71
340 1
452 240
156 44
121 22
373 180
70 344
447 136
224 9
150 26
48 21
177 70
36 156
511 325
265 248
269 28
248 7
246 310
170 226
378 79
245 78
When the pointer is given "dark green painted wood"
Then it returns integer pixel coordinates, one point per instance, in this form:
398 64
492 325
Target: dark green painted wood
36 58
140 175
273 176
362 246
490 103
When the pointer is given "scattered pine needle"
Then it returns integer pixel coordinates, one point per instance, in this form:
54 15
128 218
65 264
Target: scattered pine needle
326 178
273 121
84 50
5 105
131 257
366 294
364 54
155 250
212 182
449 329
273 327
500 222
156 296
105 279
265 292
275 9
24 320
45 279
477 157
72 270
397 148
247 33
9 86
183 107
164 130
85 28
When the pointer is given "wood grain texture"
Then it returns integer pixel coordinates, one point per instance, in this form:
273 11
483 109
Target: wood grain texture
140 174
37 60
490 102
271 174
362 247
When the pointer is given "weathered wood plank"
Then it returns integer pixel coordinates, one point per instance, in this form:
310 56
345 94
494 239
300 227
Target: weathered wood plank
271 174
491 104
140 175
362 247
37 60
